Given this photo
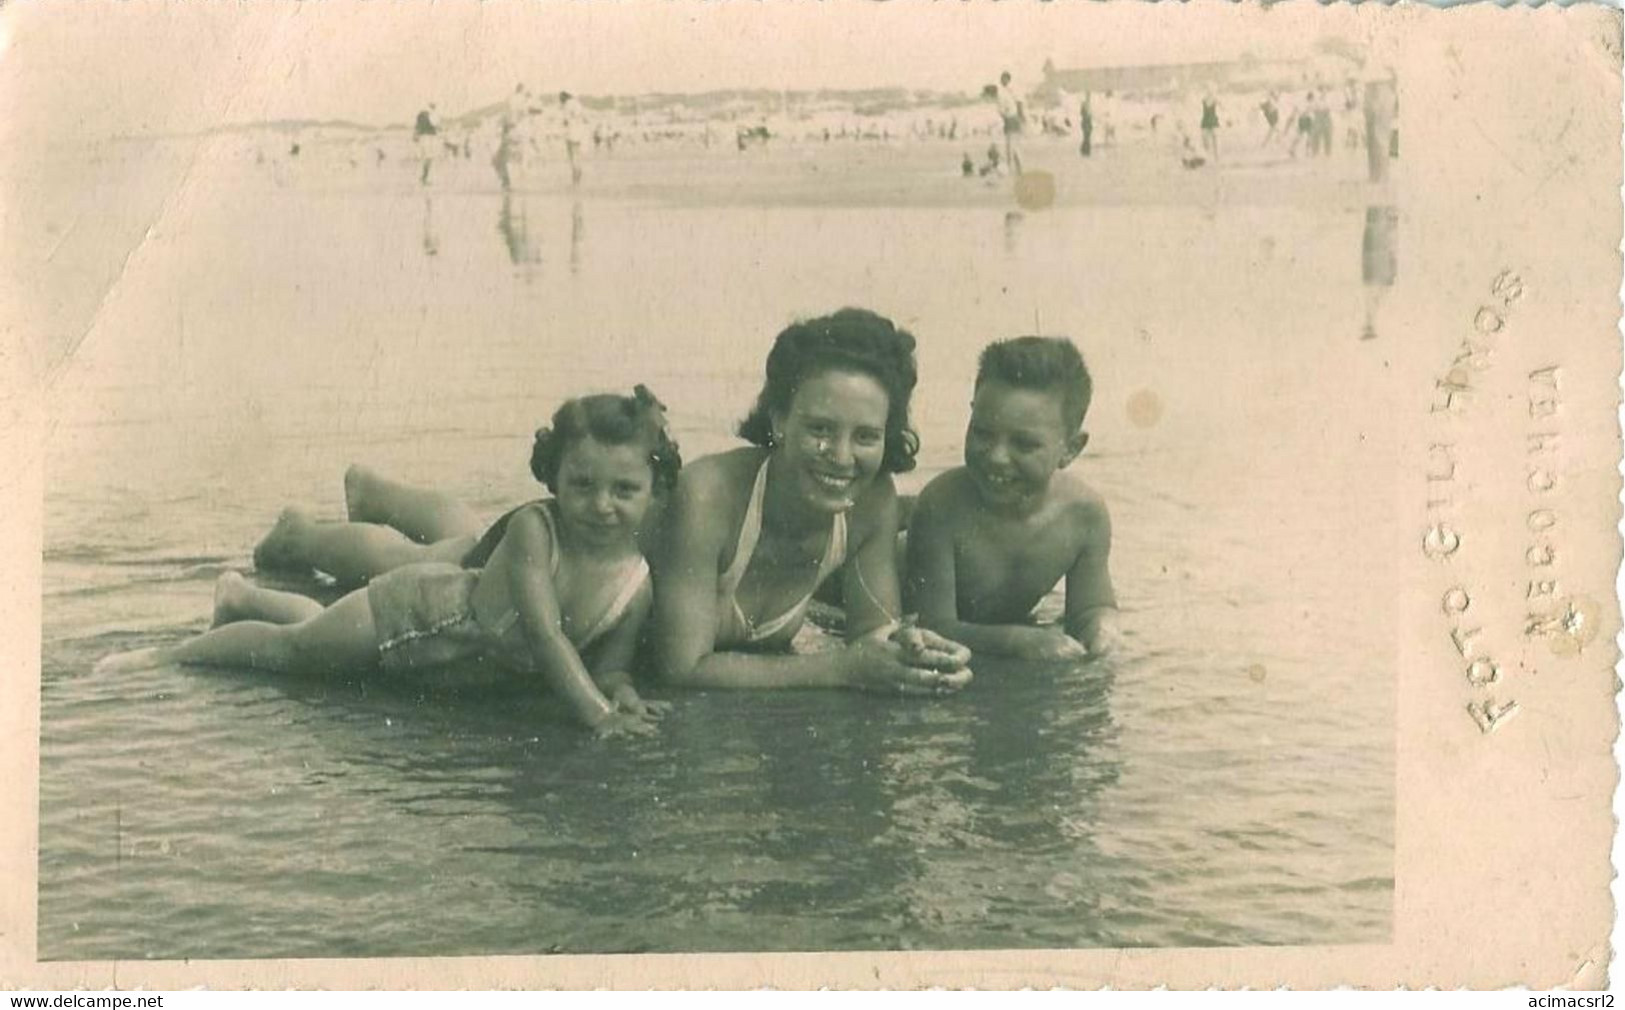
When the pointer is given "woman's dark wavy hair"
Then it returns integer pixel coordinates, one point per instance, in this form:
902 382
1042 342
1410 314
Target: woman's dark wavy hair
849 340
611 420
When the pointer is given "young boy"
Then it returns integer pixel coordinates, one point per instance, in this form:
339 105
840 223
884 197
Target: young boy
989 539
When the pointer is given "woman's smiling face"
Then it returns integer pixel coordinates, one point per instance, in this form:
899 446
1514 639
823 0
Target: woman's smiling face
833 437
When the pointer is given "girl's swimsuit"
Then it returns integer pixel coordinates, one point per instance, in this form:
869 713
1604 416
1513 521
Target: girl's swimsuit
424 613
733 627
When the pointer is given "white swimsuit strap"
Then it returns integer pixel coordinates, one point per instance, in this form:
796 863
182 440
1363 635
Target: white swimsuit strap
552 531
750 531
835 553
617 607
834 556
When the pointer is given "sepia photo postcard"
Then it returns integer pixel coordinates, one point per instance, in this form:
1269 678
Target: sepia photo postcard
854 495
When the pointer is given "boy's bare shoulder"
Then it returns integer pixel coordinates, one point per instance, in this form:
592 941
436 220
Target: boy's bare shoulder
948 490
1081 502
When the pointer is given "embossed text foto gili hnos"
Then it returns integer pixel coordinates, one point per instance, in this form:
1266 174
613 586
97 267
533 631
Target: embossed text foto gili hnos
1490 703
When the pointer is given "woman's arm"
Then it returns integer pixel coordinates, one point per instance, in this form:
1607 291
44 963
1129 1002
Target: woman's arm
522 561
869 586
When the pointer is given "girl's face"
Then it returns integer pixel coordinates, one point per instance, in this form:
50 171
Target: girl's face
833 438
604 491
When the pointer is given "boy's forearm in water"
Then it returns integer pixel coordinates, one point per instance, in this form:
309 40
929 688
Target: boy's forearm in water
993 639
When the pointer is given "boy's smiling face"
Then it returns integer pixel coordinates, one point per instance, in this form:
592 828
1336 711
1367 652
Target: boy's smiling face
1016 440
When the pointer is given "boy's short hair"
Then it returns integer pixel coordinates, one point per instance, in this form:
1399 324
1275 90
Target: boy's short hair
1049 364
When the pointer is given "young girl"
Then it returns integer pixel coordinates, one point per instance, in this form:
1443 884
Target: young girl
555 588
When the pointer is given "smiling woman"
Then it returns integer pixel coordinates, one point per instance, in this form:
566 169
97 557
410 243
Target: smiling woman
753 532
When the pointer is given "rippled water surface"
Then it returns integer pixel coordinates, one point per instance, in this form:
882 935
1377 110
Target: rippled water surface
1228 780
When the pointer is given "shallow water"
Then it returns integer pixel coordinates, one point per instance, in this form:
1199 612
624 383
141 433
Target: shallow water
1228 780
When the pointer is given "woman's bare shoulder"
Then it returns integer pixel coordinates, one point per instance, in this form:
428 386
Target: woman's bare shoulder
709 502
874 508
714 480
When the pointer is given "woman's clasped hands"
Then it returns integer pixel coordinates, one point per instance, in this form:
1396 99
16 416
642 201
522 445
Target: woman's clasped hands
907 660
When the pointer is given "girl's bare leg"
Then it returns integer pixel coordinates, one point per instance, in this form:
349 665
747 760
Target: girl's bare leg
351 552
339 638
420 514
236 599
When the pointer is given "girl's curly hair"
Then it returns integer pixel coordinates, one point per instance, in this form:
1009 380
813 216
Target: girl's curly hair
611 420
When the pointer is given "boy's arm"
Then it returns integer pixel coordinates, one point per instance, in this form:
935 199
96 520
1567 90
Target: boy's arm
934 592
1091 603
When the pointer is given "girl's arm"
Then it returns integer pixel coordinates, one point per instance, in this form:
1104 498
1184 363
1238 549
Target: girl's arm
612 659
522 561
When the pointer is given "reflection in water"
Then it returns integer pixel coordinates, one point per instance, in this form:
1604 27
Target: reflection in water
577 227
514 224
1381 137
1379 261
1012 230
997 794
431 238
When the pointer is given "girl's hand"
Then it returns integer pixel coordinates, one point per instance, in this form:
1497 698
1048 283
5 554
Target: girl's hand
884 667
619 723
627 700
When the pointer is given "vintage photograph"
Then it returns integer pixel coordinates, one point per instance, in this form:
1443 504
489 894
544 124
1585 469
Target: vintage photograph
564 483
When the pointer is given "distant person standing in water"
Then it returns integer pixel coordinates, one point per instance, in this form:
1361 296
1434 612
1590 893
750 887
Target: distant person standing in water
1303 118
1379 261
424 139
1210 126
1323 124
1380 105
508 143
1011 115
570 110
1271 108
1086 125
